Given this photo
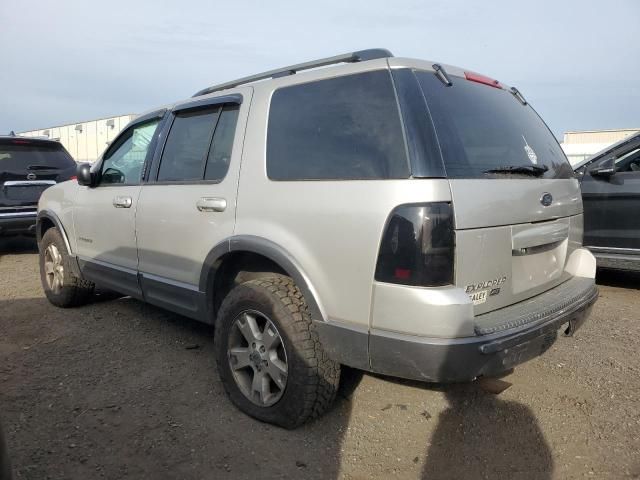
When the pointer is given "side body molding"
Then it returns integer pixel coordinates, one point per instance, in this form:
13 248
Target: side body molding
270 250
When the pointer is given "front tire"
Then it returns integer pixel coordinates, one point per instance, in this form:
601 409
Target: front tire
60 285
270 359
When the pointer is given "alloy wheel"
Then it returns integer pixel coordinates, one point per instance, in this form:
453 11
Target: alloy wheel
53 268
257 358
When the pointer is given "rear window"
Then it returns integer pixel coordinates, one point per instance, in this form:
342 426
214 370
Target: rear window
481 128
343 128
16 156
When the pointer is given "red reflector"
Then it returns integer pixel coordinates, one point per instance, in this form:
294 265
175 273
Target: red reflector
402 273
476 77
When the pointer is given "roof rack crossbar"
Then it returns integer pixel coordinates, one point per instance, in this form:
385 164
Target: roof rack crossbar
359 56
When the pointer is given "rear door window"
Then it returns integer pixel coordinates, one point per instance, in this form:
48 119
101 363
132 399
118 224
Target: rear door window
481 128
220 152
185 153
343 128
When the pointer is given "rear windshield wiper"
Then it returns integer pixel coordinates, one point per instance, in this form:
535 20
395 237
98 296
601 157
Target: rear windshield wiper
535 170
42 167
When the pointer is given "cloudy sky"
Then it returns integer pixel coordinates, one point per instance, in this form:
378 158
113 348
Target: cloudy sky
66 61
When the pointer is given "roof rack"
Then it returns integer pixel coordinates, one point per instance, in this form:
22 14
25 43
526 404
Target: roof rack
359 56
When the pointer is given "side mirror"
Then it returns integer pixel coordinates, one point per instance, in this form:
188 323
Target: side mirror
84 175
606 168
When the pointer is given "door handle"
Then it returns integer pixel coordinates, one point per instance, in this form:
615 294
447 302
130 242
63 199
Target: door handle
211 204
122 202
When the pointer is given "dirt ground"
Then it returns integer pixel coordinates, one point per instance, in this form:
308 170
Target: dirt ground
119 389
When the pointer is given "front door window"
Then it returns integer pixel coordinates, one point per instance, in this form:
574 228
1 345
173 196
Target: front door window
124 161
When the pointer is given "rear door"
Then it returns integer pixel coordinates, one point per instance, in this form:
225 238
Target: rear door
27 168
516 202
189 204
612 203
104 216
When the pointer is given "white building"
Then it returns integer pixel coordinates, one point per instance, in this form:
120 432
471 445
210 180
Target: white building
580 145
85 141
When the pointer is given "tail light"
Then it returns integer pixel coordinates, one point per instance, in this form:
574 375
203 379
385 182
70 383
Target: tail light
418 246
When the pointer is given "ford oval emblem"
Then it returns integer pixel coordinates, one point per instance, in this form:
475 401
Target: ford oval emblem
546 199
31 176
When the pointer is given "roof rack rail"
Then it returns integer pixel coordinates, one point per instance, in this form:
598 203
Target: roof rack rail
359 56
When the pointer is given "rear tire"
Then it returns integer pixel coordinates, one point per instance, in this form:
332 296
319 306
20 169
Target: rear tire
306 379
61 286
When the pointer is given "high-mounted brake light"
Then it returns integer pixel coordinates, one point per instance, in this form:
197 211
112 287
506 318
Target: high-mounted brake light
418 246
20 142
476 77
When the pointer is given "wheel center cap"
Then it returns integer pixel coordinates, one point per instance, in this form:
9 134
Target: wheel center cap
255 358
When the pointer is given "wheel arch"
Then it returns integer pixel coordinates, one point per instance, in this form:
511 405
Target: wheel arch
47 219
260 248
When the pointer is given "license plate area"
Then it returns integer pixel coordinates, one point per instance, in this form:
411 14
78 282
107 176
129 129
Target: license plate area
526 351
25 192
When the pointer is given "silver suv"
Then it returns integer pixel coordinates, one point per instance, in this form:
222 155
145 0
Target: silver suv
388 214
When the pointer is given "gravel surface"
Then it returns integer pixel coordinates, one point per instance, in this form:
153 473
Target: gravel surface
120 389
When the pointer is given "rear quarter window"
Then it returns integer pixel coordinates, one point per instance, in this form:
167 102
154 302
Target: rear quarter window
343 128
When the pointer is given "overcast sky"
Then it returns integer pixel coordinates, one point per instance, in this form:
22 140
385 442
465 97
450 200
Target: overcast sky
64 61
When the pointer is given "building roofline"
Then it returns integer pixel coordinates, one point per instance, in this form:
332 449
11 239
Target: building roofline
77 123
604 131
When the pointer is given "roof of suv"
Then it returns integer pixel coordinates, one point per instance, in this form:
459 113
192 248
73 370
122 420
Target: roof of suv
359 56
373 57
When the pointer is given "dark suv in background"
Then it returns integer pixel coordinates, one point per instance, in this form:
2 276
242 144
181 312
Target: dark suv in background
610 182
27 167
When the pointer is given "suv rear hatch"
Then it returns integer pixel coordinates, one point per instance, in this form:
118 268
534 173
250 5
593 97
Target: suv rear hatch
27 168
516 202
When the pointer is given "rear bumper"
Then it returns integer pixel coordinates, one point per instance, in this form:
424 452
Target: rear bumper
532 330
617 258
18 224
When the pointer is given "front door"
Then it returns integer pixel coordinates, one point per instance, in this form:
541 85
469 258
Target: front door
612 205
190 206
104 215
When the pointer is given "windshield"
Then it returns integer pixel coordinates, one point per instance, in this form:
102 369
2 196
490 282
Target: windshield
483 131
30 156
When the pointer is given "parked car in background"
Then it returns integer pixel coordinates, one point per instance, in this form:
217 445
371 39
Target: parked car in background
28 166
610 183
389 214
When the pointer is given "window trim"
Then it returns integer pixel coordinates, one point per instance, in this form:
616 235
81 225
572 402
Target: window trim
425 160
202 104
401 121
208 102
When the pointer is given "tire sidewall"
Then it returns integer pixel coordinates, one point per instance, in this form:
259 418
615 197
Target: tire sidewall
53 236
290 407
